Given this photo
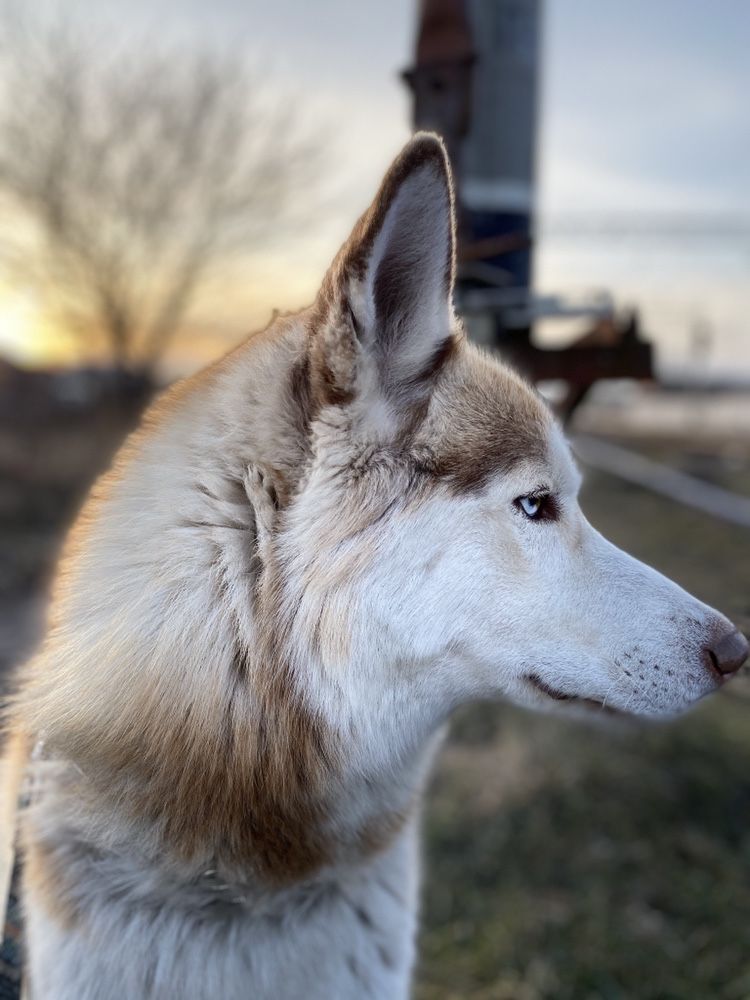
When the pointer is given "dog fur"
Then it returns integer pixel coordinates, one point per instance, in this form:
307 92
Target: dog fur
302 562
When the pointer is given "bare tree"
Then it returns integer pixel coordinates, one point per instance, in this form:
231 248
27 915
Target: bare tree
128 172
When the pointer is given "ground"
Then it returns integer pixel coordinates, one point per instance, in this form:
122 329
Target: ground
563 862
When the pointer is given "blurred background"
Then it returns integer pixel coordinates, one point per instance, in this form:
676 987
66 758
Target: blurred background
172 172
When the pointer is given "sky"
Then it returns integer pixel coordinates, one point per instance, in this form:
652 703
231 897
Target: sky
644 110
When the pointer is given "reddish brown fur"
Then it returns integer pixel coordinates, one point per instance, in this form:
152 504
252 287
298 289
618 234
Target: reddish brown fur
482 423
250 794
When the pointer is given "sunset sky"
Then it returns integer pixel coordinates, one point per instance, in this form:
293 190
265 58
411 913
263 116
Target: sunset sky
644 110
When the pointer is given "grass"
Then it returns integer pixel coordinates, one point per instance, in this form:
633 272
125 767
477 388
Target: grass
572 862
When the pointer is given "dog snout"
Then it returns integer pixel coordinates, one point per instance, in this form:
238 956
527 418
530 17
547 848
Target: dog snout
726 653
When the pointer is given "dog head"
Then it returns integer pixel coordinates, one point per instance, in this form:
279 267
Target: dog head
435 547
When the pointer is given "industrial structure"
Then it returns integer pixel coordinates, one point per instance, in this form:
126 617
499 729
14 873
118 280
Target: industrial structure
476 81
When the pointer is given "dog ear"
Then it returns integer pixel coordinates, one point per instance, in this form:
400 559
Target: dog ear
385 316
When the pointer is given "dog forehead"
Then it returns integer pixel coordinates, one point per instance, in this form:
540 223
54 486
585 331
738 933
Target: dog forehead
484 420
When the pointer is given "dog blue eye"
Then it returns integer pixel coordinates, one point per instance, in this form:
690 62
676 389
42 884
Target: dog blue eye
531 506
538 507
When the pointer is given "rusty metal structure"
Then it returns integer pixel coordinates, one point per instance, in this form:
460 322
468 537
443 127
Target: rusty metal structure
475 80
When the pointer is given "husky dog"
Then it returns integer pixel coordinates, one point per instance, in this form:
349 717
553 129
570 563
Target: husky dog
296 569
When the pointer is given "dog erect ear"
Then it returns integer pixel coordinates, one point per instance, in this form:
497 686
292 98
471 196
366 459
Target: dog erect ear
385 307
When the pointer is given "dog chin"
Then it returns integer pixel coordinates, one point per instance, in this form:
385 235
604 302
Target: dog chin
665 713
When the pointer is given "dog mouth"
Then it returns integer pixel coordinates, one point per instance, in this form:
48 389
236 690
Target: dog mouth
572 699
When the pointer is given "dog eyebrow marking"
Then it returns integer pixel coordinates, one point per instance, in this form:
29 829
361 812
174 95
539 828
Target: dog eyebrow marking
482 422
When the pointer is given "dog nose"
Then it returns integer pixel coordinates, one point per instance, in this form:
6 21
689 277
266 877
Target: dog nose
728 653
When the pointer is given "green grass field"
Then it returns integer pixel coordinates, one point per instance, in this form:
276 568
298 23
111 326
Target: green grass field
573 862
